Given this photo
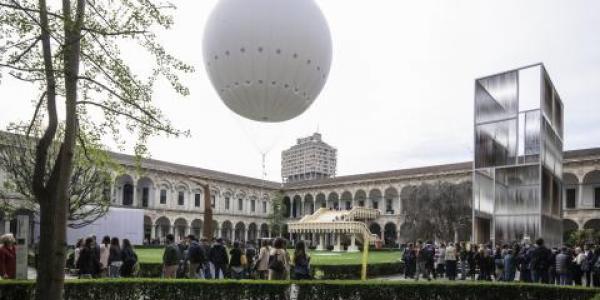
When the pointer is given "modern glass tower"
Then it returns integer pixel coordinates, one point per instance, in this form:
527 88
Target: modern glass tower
517 169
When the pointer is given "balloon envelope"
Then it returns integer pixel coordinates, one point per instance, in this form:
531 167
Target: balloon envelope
267 59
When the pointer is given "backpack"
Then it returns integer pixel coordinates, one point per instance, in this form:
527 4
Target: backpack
596 267
197 254
276 263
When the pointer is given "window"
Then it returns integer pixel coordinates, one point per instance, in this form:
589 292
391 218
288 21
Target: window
388 206
213 200
227 203
264 207
348 205
145 196
361 203
163 196
571 198
240 204
180 198
375 204
252 205
127 194
197 200
597 197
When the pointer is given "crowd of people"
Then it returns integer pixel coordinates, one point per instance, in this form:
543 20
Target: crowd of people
531 262
110 258
193 258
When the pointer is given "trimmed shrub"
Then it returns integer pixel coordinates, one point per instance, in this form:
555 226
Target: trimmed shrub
143 289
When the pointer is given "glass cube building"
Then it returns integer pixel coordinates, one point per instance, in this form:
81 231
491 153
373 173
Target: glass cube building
517 169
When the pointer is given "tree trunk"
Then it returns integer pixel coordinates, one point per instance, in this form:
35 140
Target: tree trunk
207 231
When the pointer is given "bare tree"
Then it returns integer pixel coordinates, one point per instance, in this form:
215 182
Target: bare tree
70 51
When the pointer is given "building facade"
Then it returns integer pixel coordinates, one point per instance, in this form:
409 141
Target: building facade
309 159
171 198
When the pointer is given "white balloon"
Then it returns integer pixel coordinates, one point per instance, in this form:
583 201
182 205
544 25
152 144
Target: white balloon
267 59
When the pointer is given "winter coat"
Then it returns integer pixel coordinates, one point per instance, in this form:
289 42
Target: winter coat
114 254
87 262
541 258
8 262
450 253
262 263
509 264
171 255
562 263
218 255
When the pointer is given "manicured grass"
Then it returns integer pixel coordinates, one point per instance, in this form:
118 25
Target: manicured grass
317 257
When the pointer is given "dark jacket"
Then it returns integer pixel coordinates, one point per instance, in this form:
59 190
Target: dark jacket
541 258
114 254
196 254
88 263
562 263
171 255
129 259
218 255
236 257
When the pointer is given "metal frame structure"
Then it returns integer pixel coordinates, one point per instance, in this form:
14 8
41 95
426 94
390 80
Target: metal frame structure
517 166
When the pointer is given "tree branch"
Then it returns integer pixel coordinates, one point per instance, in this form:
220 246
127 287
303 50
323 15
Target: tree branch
122 113
35 113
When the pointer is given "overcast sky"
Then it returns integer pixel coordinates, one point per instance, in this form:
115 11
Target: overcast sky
400 89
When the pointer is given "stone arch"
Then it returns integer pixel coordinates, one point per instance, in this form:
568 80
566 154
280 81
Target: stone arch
240 231
264 230
226 230
391 201
124 189
346 200
148 228
375 228
297 206
592 224
309 204
196 227
320 201
360 198
591 188
390 234
252 232
145 189
180 225
333 200
163 227
375 198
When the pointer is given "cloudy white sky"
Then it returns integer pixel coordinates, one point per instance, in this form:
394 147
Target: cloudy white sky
400 89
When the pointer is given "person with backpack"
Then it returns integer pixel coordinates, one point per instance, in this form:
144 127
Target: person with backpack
541 258
87 262
562 266
237 261
279 261
409 261
219 258
129 259
301 262
250 257
195 257
587 264
115 260
170 258
262 262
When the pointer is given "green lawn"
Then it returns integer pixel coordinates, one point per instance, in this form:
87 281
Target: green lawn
317 257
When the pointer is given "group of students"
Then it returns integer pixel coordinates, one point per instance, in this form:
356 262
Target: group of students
532 262
191 258
107 259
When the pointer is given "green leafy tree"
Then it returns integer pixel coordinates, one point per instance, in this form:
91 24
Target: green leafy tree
276 217
70 52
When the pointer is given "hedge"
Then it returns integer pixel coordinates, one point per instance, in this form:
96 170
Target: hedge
153 270
143 289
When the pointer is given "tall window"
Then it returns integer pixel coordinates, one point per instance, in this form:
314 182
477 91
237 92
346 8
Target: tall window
361 203
145 196
388 206
197 200
571 198
252 205
163 196
240 204
127 194
348 205
597 197
264 207
227 203
180 198
375 204
213 201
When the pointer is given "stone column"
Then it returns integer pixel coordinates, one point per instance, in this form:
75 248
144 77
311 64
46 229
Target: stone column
352 247
6 226
245 235
152 232
321 245
338 244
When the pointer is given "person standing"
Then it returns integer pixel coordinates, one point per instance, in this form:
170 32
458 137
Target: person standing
421 260
115 260
409 259
262 262
301 262
540 262
562 266
250 257
510 268
219 258
88 263
8 257
77 251
279 261
236 261
450 259
440 261
195 256
586 264
129 259
104 253
206 265
498 263
170 258
578 260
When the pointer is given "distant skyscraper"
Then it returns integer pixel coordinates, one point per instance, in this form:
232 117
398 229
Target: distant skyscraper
309 159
